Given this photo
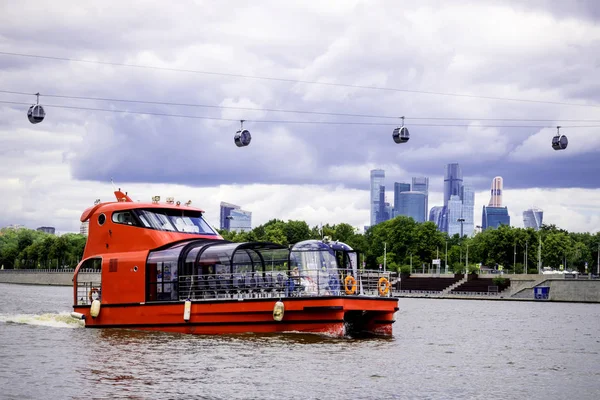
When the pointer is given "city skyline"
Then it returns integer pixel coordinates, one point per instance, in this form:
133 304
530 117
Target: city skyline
233 218
321 108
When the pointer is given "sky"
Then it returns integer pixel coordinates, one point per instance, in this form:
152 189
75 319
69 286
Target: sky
451 64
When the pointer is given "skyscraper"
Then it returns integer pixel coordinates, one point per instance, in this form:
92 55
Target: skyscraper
437 216
494 214
453 182
532 218
399 188
233 218
412 204
454 211
421 184
493 217
468 210
382 213
496 192
377 180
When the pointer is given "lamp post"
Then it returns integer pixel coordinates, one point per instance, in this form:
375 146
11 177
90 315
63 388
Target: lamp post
461 220
525 256
515 260
384 254
447 255
411 263
467 260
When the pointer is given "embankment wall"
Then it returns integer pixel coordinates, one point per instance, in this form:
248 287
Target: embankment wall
46 277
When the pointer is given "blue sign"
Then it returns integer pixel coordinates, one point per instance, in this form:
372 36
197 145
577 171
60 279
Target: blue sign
541 293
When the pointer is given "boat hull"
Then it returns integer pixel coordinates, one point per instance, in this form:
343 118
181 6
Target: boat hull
335 316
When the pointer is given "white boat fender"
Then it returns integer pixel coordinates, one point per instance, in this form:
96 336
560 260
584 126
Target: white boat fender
278 311
95 308
77 315
187 310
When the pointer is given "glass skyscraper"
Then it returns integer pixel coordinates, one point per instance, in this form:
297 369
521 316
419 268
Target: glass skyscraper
399 188
468 210
453 182
454 211
377 181
421 184
438 216
412 204
532 218
382 213
233 218
493 217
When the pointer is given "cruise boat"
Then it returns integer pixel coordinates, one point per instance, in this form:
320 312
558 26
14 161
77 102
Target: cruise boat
162 267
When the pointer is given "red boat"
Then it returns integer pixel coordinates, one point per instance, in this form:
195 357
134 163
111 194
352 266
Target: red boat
162 267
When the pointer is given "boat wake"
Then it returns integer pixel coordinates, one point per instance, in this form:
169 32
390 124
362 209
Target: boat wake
60 320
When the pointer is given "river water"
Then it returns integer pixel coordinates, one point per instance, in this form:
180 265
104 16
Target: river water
441 349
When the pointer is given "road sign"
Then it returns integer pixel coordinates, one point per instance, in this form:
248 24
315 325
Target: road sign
436 261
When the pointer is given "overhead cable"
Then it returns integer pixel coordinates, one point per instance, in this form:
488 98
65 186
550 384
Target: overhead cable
289 80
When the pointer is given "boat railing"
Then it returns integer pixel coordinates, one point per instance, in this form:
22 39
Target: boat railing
271 284
88 292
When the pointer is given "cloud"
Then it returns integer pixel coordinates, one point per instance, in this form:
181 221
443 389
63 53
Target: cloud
533 50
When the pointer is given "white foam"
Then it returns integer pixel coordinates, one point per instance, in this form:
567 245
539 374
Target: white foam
60 320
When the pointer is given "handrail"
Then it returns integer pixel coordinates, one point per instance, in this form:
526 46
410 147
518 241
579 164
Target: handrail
46 271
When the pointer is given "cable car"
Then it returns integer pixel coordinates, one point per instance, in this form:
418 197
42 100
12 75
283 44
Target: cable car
36 112
559 142
242 137
401 134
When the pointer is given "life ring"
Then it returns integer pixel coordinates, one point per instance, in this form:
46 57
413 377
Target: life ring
92 291
350 284
383 286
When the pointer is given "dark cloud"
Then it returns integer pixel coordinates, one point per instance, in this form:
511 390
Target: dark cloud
361 47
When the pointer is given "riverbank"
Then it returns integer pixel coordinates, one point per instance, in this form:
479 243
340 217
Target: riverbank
522 287
46 277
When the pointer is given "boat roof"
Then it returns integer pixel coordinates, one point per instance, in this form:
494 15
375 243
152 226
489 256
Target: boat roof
125 203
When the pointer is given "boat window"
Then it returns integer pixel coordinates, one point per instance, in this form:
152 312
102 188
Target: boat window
161 274
173 220
316 265
123 217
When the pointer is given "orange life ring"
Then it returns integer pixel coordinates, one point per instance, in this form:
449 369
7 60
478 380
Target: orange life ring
350 284
92 291
383 286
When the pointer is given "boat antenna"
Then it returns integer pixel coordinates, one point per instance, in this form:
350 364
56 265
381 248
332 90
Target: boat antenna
113 184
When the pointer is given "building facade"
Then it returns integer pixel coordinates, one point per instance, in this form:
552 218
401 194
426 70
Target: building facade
421 184
233 218
468 210
533 218
412 204
377 181
47 229
493 217
399 187
496 192
453 182
437 215
454 212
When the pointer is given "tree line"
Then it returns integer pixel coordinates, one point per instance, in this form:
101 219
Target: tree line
30 249
400 243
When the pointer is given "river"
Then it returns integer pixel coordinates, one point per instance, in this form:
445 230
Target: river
441 349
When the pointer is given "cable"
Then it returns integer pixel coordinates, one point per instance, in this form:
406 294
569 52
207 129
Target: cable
295 122
295 80
294 111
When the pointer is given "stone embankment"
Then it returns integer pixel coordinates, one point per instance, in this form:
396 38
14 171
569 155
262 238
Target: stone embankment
559 288
49 277
522 287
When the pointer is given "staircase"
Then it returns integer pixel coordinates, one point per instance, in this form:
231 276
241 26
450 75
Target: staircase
451 287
